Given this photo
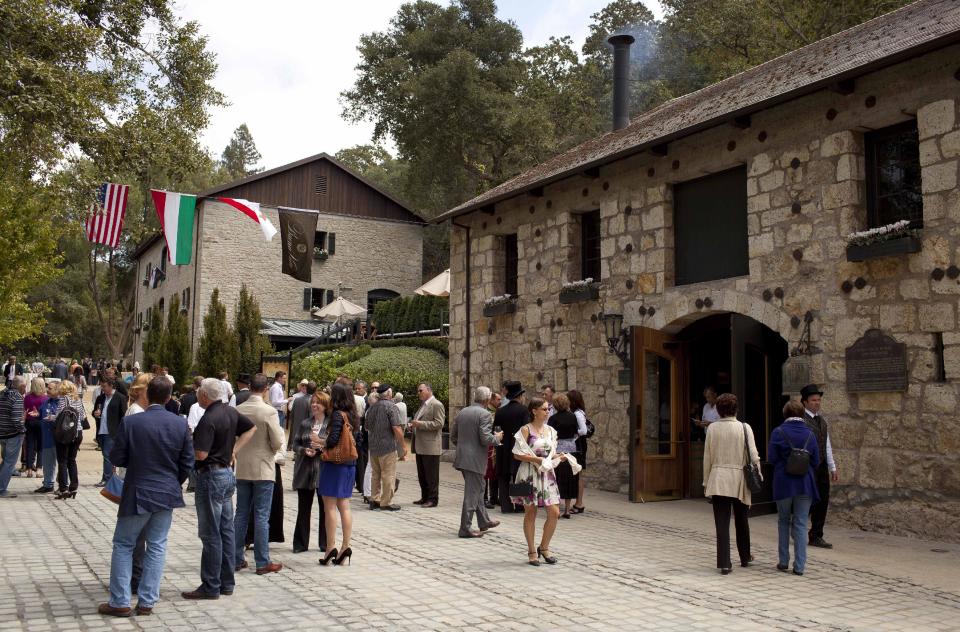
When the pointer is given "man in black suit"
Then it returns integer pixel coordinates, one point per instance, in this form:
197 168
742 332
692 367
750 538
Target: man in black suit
300 410
510 418
11 370
810 396
108 410
243 390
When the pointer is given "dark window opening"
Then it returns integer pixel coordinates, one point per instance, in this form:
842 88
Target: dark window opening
510 265
590 245
319 241
893 175
710 227
161 308
317 297
375 296
163 260
186 299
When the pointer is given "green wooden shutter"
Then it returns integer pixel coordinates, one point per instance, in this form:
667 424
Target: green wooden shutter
307 292
331 243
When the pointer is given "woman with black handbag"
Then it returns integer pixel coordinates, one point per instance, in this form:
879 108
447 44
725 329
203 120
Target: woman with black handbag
535 485
795 455
585 431
729 458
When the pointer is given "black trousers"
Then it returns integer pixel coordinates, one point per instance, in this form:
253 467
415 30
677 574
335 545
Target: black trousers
67 464
721 516
818 511
428 473
301 532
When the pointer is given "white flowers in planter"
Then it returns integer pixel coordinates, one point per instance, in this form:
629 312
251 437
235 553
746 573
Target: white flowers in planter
499 300
882 233
576 286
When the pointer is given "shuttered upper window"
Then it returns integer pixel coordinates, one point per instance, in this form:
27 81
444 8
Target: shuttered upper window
320 185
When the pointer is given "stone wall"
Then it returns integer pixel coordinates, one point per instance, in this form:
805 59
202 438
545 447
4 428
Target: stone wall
178 278
897 453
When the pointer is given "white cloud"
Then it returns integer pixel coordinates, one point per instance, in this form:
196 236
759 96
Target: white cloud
283 64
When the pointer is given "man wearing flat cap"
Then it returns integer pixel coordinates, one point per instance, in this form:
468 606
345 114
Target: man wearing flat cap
810 396
384 438
510 418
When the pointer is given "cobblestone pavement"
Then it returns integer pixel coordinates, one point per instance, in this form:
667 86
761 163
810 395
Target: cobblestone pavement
622 567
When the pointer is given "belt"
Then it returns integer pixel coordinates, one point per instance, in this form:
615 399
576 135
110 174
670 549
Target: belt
213 466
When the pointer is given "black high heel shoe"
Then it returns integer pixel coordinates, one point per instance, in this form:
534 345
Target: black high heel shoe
346 555
331 555
549 559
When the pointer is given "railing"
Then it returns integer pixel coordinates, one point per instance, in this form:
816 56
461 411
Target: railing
345 333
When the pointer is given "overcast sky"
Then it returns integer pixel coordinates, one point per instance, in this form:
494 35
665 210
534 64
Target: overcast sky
283 64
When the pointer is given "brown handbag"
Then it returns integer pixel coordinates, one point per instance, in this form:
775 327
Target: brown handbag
346 448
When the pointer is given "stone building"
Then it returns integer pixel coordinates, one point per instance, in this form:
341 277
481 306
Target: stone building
716 226
359 227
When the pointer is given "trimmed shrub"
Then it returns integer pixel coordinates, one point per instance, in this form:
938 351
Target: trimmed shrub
410 313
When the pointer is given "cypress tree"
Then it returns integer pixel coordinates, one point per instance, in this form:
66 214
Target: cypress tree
250 342
153 343
217 349
176 344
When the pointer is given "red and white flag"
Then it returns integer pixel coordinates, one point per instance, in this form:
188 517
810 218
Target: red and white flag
252 210
105 218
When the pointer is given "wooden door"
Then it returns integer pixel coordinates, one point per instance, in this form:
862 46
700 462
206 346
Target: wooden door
657 432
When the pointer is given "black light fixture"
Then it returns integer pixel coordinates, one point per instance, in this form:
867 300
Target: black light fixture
618 337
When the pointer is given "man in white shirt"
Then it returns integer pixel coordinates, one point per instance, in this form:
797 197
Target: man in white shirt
227 386
547 392
810 397
278 398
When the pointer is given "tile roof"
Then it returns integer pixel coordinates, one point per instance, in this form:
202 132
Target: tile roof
306 329
886 40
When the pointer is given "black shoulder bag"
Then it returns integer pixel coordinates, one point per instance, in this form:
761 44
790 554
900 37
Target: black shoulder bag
751 471
798 461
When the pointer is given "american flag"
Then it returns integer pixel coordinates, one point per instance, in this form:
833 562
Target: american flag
105 219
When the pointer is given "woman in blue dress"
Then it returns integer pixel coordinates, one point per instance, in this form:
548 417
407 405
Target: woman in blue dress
337 479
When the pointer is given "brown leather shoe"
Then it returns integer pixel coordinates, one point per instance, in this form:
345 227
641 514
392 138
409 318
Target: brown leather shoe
239 567
143 610
199 594
493 525
110 611
272 567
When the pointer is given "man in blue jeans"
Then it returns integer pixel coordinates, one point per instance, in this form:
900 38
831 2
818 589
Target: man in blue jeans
12 430
156 449
255 475
218 435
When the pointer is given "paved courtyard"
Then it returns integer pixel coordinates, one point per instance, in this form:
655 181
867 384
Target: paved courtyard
622 567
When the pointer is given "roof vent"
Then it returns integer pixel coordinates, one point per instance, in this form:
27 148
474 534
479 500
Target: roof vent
320 186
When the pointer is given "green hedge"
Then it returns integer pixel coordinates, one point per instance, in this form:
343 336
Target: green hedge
324 366
410 313
440 345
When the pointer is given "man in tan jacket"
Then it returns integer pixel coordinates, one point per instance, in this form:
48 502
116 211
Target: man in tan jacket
427 427
255 476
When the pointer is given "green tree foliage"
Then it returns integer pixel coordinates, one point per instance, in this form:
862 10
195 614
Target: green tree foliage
410 313
217 349
153 341
175 347
240 156
250 342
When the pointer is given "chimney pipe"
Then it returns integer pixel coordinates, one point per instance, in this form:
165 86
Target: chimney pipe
621 79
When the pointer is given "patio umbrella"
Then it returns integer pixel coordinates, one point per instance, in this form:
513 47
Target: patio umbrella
336 309
437 286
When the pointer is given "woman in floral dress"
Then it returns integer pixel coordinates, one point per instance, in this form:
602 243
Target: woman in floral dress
536 448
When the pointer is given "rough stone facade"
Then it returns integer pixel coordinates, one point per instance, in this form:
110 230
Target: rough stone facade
898 453
178 279
370 254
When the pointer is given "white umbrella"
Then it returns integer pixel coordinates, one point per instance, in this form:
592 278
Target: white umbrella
338 308
437 286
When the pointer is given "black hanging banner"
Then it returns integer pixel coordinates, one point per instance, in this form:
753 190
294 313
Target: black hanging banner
297 230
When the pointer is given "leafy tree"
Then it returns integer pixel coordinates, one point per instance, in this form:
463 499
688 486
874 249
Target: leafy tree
175 346
153 342
217 349
240 156
250 342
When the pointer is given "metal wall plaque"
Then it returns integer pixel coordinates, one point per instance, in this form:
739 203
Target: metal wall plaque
876 362
796 374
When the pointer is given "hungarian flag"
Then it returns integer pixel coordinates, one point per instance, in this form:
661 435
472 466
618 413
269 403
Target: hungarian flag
252 210
176 212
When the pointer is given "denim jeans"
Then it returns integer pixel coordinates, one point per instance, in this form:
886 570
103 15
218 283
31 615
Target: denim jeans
106 444
10 450
792 516
214 499
155 527
48 456
259 494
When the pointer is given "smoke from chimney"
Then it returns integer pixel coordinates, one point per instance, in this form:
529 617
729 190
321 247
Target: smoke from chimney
621 79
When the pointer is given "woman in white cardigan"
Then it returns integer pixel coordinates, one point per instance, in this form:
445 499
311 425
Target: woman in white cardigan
724 456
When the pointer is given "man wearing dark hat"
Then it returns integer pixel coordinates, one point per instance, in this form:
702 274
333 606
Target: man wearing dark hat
384 438
810 396
243 390
510 418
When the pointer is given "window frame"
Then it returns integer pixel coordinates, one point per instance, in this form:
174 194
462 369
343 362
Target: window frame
511 264
872 170
590 255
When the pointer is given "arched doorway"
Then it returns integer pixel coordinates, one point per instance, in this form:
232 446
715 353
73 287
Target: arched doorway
728 351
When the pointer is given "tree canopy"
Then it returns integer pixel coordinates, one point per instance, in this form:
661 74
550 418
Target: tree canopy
240 156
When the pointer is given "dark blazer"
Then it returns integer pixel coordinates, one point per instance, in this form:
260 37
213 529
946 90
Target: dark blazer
510 418
300 410
793 433
306 469
59 371
116 411
156 448
188 400
242 395
173 406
